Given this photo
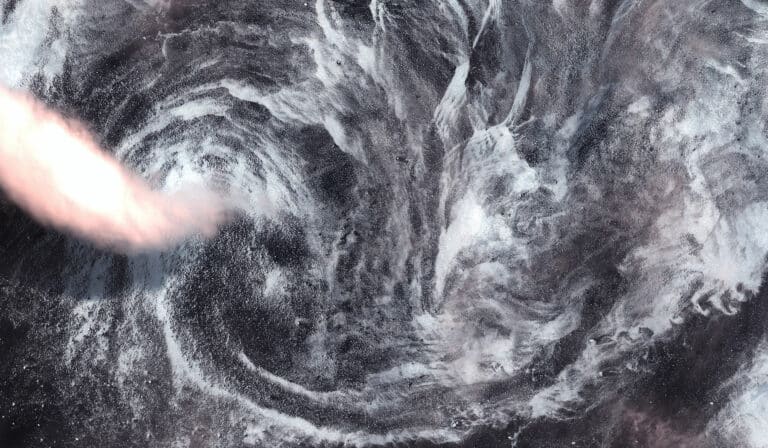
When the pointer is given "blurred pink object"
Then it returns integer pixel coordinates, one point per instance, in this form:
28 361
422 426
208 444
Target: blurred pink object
53 169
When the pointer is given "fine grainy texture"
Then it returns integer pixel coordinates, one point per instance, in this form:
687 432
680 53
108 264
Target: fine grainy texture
467 223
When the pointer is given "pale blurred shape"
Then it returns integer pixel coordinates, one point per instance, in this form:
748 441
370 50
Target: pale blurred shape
53 169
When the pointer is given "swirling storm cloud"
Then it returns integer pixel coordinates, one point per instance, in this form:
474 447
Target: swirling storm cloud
474 223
